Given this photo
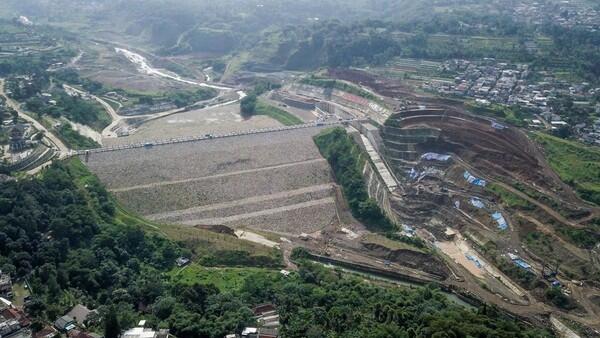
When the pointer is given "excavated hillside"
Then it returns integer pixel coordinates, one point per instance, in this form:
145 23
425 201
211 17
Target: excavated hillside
484 195
487 146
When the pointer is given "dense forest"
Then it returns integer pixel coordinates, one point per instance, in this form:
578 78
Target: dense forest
59 231
347 161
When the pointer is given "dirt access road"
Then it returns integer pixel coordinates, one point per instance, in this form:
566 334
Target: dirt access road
116 118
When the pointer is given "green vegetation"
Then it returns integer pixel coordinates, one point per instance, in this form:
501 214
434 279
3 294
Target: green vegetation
576 164
412 241
552 251
251 105
556 297
75 140
375 311
71 77
19 293
248 105
525 278
510 199
584 238
205 40
33 63
514 115
340 85
285 118
347 161
225 279
183 99
82 253
74 108
561 208
112 328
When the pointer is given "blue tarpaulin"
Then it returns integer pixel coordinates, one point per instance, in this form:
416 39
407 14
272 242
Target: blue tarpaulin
474 260
522 264
474 180
477 203
502 225
519 261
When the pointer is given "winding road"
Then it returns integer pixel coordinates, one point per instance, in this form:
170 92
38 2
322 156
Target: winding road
116 118
63 150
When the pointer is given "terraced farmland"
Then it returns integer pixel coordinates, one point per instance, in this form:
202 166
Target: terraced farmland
276 182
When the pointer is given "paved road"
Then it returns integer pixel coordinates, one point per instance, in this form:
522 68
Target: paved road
63 150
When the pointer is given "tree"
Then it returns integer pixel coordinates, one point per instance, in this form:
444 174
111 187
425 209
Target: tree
112 329
248 105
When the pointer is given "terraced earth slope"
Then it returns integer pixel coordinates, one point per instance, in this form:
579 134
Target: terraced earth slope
277 182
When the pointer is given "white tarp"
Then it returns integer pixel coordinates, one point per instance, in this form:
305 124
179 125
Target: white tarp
477 203
435 157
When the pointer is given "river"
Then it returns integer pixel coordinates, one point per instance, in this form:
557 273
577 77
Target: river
144 67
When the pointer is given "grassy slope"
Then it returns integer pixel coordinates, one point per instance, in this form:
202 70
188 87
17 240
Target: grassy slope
226 279
285 118
576 164
511 200
75 140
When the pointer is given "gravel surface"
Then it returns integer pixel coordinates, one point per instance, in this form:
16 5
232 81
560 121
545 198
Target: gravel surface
184 195
245 206
198 159
296 220
277 182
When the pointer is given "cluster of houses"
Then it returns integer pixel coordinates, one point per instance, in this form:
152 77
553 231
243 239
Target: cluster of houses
589 134
488 81
19 134
567 14
12 321
15 323
73 325
5 285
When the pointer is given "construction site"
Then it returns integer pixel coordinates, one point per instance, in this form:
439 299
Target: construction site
478 192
